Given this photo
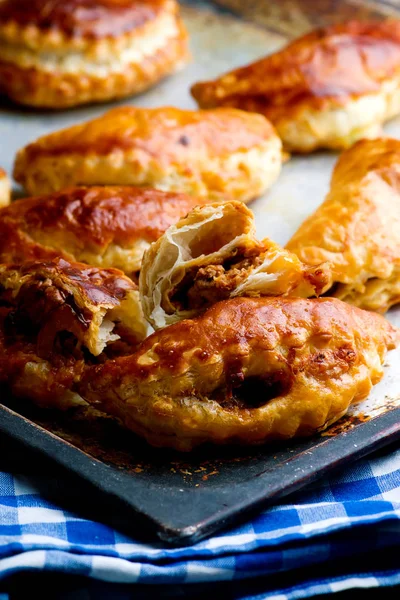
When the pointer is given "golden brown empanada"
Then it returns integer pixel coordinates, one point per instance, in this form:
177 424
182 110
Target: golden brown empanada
326 89
61 53
357 228
92 304
217 154
5 189
249 370
212 255
101 226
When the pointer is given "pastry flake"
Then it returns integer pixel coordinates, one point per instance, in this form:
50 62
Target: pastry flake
63 53
5 189
249 370
212 255
357 228
216 154
102 226
326 89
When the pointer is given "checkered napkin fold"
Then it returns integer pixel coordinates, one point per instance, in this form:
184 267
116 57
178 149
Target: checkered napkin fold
345 518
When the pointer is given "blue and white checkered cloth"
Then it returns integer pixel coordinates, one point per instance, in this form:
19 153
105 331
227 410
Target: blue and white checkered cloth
327 531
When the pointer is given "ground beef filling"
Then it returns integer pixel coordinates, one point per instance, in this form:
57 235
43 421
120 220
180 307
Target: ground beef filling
213 283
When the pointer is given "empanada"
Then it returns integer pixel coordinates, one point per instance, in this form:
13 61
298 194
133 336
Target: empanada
5 189
217 154
357 228
249 370
61 53
101 226
327 89
213 254
96 306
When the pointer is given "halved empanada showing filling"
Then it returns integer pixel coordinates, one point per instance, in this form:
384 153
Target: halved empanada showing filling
212 255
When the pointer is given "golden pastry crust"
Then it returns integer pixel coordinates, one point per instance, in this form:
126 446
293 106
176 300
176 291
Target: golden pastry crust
212 255
5 189
216 154
48 382
96 306
44 24
62 53
326 89
101 226
357 228
249 370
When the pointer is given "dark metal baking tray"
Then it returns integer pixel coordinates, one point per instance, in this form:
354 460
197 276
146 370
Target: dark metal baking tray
179 498
108 474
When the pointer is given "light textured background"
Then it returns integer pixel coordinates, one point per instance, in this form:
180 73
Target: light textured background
295 17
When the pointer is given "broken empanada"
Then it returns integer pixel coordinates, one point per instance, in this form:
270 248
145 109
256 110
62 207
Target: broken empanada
249 370
56 319
213 254
357 228
101 226
327 89
215 154
57 296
